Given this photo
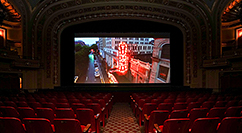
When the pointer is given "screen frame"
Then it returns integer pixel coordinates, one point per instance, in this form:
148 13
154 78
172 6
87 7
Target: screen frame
108 27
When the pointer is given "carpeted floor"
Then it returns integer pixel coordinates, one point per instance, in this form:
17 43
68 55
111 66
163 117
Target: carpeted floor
122 120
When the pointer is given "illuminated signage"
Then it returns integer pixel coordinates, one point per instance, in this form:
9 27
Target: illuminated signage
123 59
112 78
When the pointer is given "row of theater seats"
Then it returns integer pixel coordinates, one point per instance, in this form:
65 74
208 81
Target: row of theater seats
57 110
160 112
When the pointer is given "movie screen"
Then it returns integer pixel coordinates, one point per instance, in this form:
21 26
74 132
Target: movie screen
112 60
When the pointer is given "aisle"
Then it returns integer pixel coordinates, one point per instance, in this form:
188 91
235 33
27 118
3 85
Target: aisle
122 120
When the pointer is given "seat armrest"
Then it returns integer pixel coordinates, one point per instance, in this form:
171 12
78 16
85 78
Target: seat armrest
86 129
157 128
97 116
140 109
146 117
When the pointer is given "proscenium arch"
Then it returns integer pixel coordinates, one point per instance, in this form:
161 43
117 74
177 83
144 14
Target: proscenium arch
120 27
185 16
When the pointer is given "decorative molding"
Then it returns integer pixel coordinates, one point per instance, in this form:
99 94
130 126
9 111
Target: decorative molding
186 15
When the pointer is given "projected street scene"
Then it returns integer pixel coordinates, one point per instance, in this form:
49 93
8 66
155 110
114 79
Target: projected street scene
122 60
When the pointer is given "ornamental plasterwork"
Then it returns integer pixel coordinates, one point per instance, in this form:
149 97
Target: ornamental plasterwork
54 16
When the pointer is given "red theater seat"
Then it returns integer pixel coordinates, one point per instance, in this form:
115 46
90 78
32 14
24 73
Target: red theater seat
216 112
192 105
97 110
26 112
180 105
10 103
48 105
232 103
208 104
8 111
86 116
34 105
220 104
64 113
165 106
38 125
189 100
11 125
62 105
66 125
74 106
47 113
233 111
62 100
180 125
21 103
74 101
156 117
197 113
230 125
205 125
139 105
86 101
179 114
147 108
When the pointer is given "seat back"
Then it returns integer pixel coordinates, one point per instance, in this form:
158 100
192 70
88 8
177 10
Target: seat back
208 104
216 112
180 105
26 112
180 125
95 107
157 117
165 106
64 113
34 105
205 125
231 103
21 103
10 103
233 111
220 104
197 113
37 125
192 105
230 125
47 113
86 116
8 111
148 108
74 106
178 114
67 125
48 105
62 105
86 101
7 124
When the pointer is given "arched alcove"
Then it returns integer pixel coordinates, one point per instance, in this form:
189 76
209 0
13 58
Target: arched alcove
120 27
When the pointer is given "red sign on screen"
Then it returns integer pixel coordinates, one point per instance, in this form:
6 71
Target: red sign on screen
123 63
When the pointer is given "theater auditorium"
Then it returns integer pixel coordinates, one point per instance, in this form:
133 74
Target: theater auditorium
120 66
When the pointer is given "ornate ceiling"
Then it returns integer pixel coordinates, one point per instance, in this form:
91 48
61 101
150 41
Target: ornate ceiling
10 12
230 17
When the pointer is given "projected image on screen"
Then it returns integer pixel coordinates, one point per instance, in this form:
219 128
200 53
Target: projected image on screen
122 60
